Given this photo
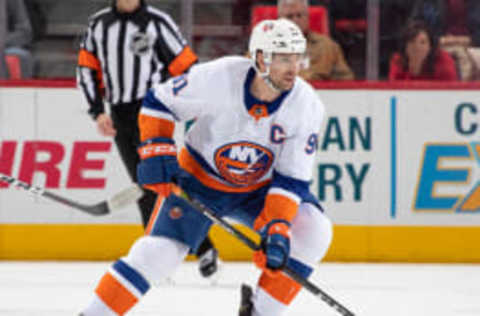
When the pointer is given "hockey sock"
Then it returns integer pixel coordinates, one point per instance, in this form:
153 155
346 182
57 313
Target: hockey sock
280 288
121 287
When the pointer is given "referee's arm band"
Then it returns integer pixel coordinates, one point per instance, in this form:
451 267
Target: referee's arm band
87 59
90 61
182 62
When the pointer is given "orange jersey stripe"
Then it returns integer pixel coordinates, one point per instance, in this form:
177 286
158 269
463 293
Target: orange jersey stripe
115 295
189 163
182 62
279 286
277 206
151 127
154 216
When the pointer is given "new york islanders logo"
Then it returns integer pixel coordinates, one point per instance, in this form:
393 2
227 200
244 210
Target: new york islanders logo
175 213
243 163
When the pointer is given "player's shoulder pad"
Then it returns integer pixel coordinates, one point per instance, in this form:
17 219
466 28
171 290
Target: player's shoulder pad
306 104
305 86
309 94
230 62
224 66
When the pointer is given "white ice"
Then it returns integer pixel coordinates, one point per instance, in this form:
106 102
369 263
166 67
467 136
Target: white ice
63 288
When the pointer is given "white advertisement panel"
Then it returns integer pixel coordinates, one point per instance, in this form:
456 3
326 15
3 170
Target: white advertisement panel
47 139
400 157
385 157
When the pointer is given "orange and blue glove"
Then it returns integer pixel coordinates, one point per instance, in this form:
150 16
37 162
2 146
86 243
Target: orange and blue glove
275 246
158 165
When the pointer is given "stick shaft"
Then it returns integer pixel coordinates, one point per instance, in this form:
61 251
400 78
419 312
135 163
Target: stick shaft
97 209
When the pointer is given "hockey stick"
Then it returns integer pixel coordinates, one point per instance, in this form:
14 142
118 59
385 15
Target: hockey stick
312 288
118 201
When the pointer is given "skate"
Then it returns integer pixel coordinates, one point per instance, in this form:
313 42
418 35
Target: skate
246 305
208 263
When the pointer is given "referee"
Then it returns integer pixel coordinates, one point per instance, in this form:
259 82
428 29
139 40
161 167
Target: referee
127 48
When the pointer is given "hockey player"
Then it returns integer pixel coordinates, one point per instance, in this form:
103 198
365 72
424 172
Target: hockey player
248 156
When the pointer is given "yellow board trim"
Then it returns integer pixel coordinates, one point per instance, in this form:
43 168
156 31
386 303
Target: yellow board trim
66 242
350 243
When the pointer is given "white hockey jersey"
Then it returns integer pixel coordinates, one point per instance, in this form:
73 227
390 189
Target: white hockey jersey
239 143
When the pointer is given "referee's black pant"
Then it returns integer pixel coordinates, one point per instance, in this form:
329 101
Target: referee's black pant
127 139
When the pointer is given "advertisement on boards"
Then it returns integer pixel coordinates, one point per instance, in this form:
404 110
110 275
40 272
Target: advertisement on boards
397 171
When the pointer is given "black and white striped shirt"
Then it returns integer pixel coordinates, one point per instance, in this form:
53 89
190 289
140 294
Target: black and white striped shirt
123 54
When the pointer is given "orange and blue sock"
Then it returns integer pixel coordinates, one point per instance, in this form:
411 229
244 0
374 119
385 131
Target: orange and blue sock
121 287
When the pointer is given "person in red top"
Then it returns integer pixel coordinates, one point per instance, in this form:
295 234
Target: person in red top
420 58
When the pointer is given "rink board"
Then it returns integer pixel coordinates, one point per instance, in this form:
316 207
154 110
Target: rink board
398 172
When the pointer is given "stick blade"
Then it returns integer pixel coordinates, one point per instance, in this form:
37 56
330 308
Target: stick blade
97 209
124 198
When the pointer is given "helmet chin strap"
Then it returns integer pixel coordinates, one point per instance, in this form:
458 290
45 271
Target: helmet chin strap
271 84
266 78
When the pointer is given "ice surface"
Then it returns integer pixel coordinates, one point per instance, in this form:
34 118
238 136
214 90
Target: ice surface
63 288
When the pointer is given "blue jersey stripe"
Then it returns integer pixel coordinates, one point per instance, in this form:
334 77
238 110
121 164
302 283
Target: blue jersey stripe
298 187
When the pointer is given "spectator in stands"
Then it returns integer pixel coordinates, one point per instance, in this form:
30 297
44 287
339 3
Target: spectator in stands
393 17
457 24
420 58
18 35
325 60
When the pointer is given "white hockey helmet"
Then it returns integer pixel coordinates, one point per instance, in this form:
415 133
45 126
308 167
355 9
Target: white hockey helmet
276 36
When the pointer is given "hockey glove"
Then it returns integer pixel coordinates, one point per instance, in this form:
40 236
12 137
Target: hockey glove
158 164
275 246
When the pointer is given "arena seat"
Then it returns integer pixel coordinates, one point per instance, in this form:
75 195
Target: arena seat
13 67
318 17
351 25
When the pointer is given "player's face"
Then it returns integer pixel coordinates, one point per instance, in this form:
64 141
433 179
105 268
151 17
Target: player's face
284 69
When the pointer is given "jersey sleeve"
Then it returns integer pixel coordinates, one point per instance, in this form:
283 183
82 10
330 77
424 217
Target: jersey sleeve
89 72
293 169
171 47
298 151
181 98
